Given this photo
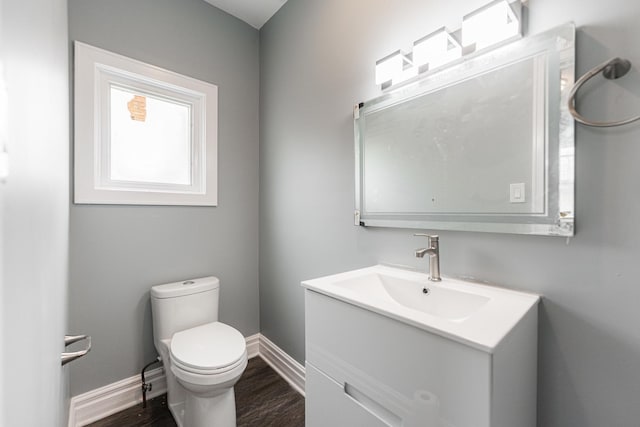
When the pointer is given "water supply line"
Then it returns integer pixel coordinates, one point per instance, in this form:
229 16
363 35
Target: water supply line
147 387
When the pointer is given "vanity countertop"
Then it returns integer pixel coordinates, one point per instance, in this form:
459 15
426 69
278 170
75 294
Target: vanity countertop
475 314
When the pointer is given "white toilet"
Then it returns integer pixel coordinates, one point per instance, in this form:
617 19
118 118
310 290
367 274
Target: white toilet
202 358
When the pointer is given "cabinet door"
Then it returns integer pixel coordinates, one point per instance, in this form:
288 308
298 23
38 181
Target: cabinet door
327 403
420 378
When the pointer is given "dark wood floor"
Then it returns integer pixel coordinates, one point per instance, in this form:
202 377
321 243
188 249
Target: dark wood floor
263 399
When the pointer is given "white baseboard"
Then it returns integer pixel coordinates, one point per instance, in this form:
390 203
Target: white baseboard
97 404
253 346
104 401
286 366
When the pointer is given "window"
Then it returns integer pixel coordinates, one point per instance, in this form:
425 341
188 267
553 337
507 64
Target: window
143 135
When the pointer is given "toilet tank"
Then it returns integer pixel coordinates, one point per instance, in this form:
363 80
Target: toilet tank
183 305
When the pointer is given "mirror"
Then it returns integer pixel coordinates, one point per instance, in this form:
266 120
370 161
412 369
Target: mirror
485 144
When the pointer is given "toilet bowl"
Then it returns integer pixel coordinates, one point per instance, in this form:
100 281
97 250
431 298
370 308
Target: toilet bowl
203 358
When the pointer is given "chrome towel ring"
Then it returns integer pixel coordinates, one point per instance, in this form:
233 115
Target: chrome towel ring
612 69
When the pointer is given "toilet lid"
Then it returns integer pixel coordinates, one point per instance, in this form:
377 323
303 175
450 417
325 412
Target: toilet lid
208 347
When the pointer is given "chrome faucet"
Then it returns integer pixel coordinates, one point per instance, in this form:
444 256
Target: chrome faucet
434 256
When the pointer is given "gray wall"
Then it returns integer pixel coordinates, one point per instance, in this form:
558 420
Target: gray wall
317 60
119 252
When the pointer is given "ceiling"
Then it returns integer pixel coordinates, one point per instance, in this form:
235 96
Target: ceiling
253 12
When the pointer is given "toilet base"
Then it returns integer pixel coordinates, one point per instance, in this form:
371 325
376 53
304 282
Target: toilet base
218 411
177 411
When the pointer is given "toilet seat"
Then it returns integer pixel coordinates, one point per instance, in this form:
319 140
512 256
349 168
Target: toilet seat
210 349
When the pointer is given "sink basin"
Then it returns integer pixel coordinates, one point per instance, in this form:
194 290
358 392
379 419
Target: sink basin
475 314
438 300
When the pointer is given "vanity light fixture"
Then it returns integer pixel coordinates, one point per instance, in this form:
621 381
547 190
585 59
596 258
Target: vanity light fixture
394 68
436 49
388 67
491 24
408 72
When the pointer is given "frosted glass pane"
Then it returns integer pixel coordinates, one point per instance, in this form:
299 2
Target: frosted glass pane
150 139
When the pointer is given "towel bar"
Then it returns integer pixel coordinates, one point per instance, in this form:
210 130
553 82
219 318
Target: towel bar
611 69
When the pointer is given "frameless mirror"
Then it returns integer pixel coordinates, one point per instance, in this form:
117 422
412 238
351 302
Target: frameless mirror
485 144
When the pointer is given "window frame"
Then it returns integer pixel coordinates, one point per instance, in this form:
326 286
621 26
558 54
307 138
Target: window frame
96 72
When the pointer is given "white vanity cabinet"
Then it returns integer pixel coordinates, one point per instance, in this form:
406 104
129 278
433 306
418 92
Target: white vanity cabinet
366 368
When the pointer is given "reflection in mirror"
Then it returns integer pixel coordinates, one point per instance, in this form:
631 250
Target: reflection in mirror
484 145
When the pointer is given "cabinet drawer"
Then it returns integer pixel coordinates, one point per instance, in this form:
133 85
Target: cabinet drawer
419 378
328 403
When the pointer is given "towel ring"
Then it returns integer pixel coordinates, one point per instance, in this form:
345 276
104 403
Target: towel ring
612 69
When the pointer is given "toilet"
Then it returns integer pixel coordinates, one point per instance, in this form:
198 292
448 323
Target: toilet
202 358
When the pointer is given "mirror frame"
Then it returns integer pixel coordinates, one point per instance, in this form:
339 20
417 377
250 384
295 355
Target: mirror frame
559 46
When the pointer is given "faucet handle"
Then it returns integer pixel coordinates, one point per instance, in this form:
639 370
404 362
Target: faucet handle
433 239
428 236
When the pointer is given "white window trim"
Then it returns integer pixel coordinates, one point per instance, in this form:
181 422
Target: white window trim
95 70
